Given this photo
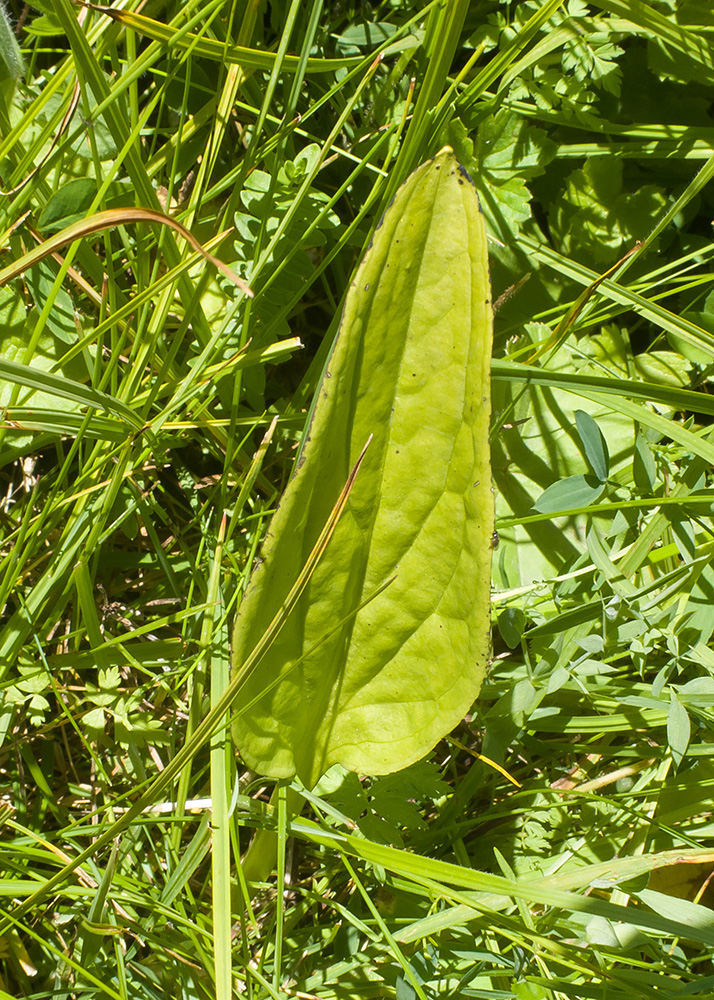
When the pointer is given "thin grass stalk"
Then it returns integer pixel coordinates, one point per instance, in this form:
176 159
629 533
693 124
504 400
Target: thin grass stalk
214 628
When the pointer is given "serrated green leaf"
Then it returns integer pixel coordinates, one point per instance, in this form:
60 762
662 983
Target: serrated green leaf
594 444
598 216
410 370
570 493
94 719
505 154
44 26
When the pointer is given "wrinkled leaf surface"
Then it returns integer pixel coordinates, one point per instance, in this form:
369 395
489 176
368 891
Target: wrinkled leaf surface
374 689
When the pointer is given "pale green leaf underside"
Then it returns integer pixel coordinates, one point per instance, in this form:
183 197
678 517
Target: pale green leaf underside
410 367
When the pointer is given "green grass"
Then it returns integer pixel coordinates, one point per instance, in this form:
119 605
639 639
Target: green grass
150 415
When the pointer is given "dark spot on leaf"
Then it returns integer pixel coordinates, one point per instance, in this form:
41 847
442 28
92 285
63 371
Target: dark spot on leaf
465 174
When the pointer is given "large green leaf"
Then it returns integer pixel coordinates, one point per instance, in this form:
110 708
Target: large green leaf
374 686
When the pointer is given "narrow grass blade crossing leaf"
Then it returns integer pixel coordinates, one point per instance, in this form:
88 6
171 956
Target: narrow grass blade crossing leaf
107 220
410 369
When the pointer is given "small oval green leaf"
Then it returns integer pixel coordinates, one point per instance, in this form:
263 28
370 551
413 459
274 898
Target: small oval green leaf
373 686
594 444
511 625
571 493
69 204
